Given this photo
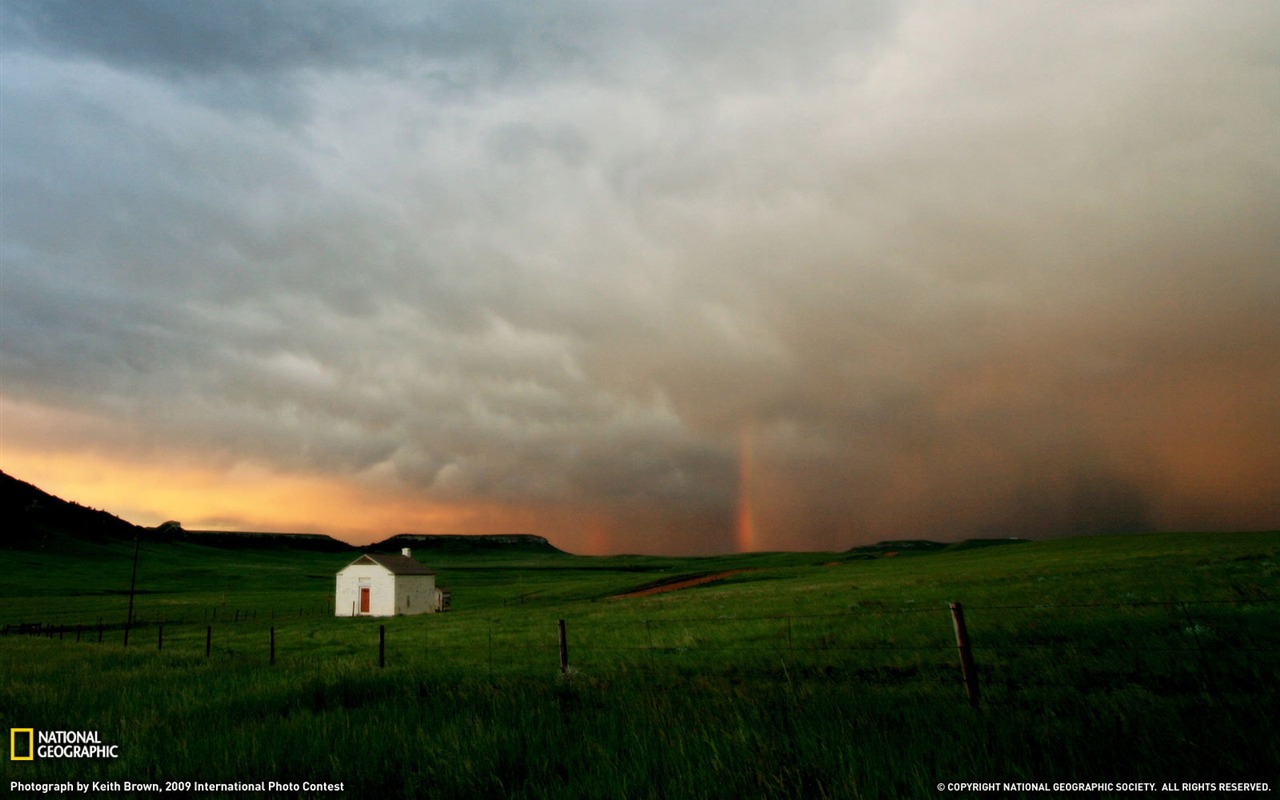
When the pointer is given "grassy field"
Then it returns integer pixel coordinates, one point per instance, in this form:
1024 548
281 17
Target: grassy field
1147 658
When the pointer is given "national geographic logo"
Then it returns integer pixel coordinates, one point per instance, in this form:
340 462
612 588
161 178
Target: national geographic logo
28 744
26 735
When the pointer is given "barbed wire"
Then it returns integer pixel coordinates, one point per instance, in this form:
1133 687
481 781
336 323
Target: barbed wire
242 615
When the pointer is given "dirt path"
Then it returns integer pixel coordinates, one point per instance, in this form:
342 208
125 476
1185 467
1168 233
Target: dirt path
685 584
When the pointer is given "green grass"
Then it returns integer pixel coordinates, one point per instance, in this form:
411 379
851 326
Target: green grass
1146 657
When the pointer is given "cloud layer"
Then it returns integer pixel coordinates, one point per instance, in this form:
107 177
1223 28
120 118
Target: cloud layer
658 277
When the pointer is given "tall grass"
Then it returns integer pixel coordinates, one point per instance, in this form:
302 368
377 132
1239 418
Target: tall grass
628 734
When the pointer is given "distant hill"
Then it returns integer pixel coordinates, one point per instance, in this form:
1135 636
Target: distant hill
460 543
259 541
919 546
32 519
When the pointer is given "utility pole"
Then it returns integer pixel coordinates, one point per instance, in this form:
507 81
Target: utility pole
133 583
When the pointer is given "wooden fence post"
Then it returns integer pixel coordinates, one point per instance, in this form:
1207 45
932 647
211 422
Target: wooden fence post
967 669
99 632
382 646
77 631
208 640
564 650
160 638
273 645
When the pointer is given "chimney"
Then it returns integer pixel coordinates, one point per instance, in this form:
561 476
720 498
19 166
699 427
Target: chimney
404 551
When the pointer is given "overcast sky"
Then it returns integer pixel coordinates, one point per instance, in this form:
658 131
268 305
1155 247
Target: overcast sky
658 277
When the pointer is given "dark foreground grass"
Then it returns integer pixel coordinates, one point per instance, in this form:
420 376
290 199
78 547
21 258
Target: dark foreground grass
394 732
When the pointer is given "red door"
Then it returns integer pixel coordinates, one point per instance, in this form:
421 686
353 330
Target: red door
364 601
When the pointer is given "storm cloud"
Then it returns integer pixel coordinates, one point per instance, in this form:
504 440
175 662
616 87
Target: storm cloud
652 277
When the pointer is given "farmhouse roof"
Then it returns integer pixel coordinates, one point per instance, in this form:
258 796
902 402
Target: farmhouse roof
397 564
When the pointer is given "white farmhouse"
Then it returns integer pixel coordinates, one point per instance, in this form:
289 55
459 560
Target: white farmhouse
376 585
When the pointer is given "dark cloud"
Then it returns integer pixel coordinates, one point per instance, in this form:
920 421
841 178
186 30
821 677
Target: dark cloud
246 36
904 270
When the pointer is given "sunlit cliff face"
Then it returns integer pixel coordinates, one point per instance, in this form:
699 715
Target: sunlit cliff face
662 278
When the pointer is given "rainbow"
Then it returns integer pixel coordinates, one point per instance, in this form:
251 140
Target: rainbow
745 523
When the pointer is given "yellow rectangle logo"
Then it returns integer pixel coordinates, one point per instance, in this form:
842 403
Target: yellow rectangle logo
13 744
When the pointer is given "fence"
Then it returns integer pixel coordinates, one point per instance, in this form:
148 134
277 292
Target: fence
1206 645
